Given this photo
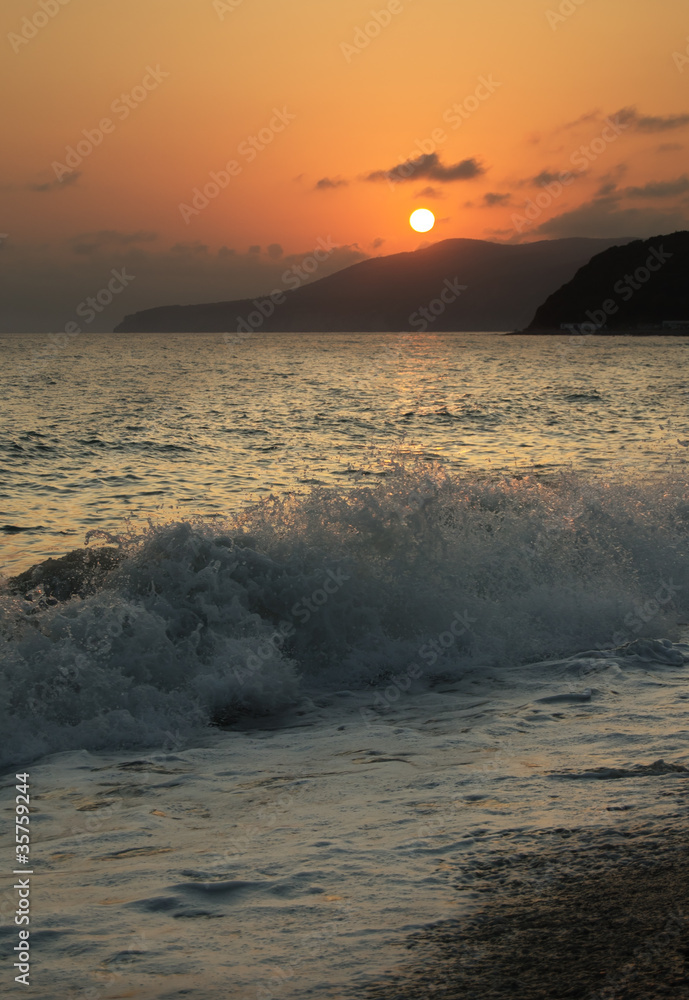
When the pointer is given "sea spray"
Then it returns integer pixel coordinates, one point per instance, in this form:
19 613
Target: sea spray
179 633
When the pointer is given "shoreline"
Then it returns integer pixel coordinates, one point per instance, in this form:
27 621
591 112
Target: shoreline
585 914
597 333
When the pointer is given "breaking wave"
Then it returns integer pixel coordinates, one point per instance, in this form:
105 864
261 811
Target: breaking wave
192 623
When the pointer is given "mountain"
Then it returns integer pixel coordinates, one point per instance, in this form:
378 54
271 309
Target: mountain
634 288
452 285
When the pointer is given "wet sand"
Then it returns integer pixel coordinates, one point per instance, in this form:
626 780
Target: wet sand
584 915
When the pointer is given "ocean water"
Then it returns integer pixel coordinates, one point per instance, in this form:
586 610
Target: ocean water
361 608
111 427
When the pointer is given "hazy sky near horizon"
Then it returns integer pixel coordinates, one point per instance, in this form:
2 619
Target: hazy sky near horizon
241 133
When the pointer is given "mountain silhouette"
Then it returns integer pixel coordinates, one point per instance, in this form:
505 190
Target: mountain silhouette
457 284
633 288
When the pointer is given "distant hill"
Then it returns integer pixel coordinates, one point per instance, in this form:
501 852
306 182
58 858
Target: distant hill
407 291
634 288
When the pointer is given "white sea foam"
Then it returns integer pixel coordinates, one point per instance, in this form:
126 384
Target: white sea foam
208 623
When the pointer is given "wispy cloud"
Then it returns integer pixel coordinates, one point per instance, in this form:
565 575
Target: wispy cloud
605 218
494 198
651 123
545 177
54 184
330 183
630 116
653 189
590 116
429 192
659 189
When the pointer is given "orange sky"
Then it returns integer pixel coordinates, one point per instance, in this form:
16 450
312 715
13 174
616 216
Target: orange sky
356 111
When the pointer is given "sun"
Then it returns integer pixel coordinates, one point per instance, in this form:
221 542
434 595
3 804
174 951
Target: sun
422 220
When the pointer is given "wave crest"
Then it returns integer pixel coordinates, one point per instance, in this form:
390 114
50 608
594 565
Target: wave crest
191 623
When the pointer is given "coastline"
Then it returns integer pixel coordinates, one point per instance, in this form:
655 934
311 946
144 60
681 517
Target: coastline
597 333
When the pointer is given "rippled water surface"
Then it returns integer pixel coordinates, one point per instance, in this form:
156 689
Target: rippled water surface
268 744
117 426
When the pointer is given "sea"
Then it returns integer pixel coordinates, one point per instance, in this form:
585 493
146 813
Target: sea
297 629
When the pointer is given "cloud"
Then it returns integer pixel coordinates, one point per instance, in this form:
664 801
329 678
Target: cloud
492 198
590 116
54 184
378 242
603 217
606 216
650 123
90 243
659 189
429 192
607 189
669 147
545 177
429 166
610 181
631 117
330 183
